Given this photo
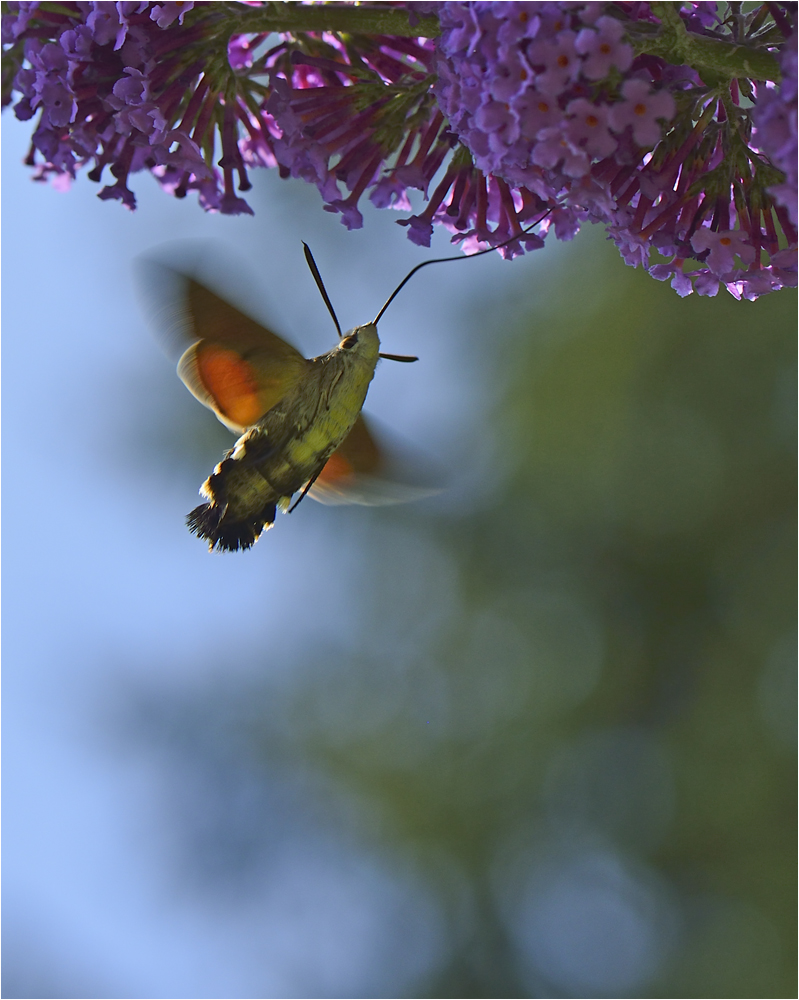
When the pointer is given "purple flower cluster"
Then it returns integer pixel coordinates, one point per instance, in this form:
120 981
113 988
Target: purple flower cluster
343 115
385 135
551 99
134 86
126 86
520 116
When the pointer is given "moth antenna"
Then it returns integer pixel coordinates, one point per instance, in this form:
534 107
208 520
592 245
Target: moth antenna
317 277
443 260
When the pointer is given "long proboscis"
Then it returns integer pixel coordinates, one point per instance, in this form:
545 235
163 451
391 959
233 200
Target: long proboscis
444 260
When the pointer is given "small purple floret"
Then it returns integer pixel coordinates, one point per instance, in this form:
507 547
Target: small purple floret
642 109
603 48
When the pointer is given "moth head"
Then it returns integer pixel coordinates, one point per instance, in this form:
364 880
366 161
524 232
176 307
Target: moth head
361 342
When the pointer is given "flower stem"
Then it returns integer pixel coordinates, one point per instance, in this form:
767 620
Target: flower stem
707 55
336 17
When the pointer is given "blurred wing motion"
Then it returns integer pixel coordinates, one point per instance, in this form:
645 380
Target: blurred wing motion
363 472
291 413
236 367
230 362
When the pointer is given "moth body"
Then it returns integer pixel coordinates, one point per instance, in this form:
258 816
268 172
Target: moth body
298 421
285 450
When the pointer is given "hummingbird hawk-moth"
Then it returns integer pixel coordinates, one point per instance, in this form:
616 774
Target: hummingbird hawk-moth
299 420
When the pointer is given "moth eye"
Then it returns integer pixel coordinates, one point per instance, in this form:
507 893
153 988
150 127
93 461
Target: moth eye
350 341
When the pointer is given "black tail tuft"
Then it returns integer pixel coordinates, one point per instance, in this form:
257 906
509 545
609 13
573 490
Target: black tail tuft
210 521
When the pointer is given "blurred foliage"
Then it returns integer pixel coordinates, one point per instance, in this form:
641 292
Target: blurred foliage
572 705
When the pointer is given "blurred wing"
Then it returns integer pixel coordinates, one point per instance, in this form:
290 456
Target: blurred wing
365 472
234 366
237 367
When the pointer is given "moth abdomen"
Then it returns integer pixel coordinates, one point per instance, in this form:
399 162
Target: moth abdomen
215 524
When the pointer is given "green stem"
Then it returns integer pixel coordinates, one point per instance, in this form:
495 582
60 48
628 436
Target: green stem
337 17
727 59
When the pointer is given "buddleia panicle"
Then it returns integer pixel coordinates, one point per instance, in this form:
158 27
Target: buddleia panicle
672 124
